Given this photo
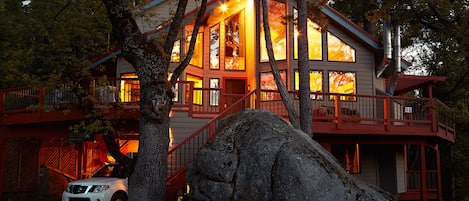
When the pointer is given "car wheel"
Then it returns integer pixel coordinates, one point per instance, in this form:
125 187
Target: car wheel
119 197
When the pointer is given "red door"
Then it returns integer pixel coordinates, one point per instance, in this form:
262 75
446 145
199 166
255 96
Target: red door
235 89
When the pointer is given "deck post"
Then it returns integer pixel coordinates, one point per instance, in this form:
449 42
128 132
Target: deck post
433 115
3 153
190 99
423 174
438 172
41 100
337 116
258 98
386 112
2 107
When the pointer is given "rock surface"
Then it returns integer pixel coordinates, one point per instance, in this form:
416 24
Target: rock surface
256 155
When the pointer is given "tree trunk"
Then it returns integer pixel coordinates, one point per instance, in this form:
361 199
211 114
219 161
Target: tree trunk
303 68
148 180
287 101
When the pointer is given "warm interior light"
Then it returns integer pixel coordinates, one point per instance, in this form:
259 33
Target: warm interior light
223 7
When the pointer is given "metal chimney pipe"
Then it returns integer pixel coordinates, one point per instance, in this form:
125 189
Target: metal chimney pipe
397 48
387 39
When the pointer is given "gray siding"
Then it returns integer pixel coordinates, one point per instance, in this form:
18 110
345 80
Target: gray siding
183 125
382 165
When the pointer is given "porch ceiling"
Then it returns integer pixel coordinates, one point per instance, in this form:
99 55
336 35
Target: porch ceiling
407 83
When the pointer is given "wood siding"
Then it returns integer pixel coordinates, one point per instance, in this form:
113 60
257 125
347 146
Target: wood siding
182 125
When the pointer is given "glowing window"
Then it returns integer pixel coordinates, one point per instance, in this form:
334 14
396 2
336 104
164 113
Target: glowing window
234 42
337 50
315 83
268 83
343 83
215 47
214 91
129 88
197 92
314 40
197 56
176 52
278 32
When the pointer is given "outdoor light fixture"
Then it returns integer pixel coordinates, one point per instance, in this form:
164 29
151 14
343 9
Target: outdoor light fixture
223 7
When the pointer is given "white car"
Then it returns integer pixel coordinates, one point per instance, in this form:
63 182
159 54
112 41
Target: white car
109 183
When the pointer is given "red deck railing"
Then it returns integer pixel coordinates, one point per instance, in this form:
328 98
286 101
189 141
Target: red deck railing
383 112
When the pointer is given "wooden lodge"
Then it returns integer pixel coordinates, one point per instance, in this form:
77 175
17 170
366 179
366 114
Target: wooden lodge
362 112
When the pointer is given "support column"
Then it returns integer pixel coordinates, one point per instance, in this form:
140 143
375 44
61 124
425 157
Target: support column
3 140
438 169
423 174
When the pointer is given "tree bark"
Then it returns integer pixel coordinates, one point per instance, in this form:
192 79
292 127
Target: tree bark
287 101
303 68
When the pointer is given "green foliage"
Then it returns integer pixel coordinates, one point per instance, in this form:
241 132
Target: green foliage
94 124
50 41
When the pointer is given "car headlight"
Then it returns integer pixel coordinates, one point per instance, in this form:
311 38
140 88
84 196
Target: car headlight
69 189
98 188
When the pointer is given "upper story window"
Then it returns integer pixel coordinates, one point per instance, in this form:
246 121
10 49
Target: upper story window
343 83
338 50
268 83
315 82
197 93
314 40
215 47
234 42
176 52
129 88
278 32
197 56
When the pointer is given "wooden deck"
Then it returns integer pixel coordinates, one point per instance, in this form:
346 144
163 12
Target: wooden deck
334 114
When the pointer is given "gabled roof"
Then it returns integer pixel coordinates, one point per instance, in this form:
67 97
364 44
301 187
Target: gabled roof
352 28
336 18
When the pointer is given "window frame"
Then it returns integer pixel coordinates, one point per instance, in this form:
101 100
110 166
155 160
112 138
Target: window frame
211 47
272 96
328 33
214 94
346 96
262 45
312 96
241 44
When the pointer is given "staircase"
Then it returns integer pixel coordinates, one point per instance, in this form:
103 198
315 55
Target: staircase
180 155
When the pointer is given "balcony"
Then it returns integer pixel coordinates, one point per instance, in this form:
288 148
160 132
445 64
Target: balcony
332 114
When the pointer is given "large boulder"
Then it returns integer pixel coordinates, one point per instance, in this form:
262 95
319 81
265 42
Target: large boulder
257 155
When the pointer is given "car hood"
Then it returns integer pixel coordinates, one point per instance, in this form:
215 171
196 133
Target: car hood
96 181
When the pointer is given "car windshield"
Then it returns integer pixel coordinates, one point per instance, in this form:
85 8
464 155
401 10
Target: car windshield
113 170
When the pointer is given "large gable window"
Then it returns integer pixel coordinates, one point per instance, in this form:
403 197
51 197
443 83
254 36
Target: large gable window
278 32
215 47
343 83
197 56
314 40
338 50
234 42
